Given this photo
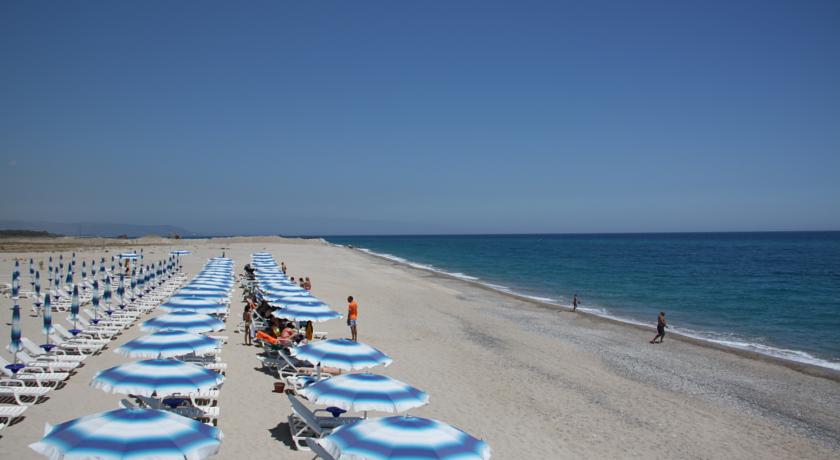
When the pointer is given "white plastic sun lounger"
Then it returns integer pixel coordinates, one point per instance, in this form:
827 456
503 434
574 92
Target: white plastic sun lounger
57 354
9 414
52 365
10 388
304 423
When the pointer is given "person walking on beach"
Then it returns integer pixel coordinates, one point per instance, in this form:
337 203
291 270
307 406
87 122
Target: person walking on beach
575 303
248 317
660 328
352 316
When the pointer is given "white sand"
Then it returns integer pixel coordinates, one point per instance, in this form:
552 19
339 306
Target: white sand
532 382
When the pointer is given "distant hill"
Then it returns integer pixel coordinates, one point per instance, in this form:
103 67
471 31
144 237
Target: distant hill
26 233
95 228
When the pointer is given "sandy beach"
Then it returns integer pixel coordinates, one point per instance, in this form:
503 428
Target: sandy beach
532 381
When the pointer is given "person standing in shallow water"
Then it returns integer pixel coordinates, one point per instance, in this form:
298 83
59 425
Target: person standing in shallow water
352 316
575 303
660 328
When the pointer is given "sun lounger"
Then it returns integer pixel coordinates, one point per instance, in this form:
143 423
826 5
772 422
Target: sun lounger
56 354
53 365
304 423
33 375
9 414
10 388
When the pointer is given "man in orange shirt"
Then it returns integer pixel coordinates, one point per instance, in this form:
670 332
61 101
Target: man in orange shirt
352 316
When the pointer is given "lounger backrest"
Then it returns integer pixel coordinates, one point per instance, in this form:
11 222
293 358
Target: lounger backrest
288 360
305 414
318 450
30 346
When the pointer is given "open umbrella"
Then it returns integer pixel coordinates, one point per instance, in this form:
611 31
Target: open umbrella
316 314
167 344
130 434
365 392
156 377
341 353
194 304
188 321
398 438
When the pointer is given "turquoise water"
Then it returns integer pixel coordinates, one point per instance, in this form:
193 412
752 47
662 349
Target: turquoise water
776 293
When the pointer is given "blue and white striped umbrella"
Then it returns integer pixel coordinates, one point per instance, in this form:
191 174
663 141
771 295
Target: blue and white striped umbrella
128 255
37 288
106 294
121 291
95 301
14 345
341 353
303 301
74 309
206 293
365 392
207 287
84 271
194 304
130 434
403 438
180 252
189 321
319 313
167 344
47 327
156 377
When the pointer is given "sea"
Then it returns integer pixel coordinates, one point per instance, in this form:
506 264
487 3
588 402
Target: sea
776 293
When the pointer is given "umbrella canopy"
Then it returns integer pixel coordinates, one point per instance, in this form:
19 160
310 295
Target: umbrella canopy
156 377
365 392
14 345
202 292
303 301
194 304
317 313
167 344
180 252
130 434
184 321
128 255
47 327
412 438
341 353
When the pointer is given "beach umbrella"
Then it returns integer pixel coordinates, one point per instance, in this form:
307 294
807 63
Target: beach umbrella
37 288
341 353
69 280
319 313
365 392
47 327
167 344
188 321
14 345
207 293
32 273
121 291
102 265
304 301
16 280
130 434
398 438
194 304
128 255
156 378
74 310
180 252
106 295
95 301
84 271
132 293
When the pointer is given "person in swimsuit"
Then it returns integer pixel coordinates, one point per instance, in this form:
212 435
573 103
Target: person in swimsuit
352 316
660 328
575 303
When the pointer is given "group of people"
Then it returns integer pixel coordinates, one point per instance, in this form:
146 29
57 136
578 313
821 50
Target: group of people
282 331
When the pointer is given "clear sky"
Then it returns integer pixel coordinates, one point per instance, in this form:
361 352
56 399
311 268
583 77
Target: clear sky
422 117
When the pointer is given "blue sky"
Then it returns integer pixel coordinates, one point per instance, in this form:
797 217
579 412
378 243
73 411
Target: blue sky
422 117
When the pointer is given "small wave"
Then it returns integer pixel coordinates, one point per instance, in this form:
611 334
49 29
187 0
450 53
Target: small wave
732 342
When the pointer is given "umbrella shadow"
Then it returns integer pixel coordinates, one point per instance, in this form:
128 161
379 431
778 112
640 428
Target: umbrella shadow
281 433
